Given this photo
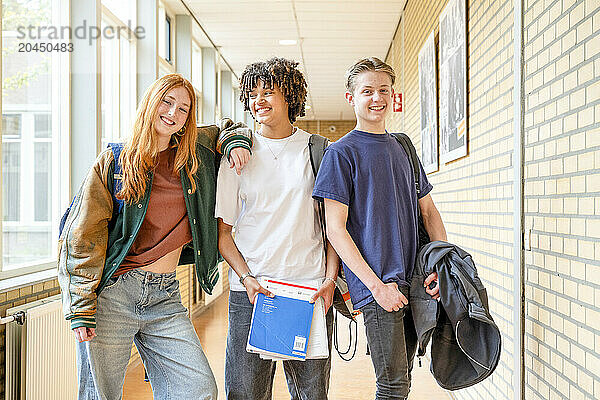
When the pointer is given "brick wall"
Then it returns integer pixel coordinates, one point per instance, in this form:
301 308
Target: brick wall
17 297
324 128
562 199
562 181
474 193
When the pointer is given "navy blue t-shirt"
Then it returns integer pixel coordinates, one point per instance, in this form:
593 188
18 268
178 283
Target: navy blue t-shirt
372 174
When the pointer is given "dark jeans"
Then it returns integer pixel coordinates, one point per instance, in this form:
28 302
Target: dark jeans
392 342
248 377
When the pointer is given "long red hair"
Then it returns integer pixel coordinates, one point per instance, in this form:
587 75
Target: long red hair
140 153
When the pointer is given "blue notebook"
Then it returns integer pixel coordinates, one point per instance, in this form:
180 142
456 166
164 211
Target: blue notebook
281 325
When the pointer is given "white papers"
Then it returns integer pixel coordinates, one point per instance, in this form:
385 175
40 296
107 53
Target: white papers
317 342
318 346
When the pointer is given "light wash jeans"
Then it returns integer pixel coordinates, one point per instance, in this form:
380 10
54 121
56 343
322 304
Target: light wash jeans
248 377
144 308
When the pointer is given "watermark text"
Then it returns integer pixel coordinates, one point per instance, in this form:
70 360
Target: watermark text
83 31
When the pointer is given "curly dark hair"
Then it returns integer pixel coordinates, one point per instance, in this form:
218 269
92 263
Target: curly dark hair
281 72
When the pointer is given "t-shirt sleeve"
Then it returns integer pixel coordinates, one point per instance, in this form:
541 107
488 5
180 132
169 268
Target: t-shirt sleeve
334 180
426 186
228 204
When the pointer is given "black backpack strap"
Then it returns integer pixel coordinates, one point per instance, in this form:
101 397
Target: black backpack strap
117 175
353 338
316 149
408 146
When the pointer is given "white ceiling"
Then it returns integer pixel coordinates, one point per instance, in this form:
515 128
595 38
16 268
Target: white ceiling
331 35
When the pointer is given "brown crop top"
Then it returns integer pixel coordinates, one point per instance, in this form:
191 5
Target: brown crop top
166 226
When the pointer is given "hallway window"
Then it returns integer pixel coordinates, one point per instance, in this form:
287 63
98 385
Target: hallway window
166 39
118 79
196 65
32 100
197 77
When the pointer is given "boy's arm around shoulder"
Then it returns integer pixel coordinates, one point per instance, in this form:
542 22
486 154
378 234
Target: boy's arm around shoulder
225 136
83 243
230 139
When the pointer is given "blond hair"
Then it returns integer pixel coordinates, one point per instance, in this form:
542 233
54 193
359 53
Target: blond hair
367 64
140 153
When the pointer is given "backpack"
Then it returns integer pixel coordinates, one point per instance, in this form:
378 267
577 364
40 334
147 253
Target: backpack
341 296
116 188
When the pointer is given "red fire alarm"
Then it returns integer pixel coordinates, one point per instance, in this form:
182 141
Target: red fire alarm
397 102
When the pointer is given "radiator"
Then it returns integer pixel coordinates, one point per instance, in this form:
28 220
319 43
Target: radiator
40 355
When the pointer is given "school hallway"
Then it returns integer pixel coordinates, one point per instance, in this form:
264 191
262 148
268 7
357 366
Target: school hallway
501 99
353 380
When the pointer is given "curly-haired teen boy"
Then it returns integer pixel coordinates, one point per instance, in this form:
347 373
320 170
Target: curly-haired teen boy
278 233
366 180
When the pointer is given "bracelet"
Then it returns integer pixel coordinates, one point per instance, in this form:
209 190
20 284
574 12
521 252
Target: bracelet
329 279
244 276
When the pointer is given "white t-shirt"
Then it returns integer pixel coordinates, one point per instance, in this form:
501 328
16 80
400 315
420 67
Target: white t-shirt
271 208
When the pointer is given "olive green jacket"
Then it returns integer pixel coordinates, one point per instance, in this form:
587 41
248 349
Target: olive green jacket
93 242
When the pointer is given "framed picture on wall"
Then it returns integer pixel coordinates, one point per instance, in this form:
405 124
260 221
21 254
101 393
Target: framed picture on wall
453 81
428 101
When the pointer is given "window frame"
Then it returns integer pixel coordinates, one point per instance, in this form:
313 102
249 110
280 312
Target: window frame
59 111
166 62
168 42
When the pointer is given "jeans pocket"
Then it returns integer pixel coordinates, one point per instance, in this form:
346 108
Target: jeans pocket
370 316
172 288
112 282
239 300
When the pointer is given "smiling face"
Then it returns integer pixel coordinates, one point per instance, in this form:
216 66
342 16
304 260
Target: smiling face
268 106
371 100
172 112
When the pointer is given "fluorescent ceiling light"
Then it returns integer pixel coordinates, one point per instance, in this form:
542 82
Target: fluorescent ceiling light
287 42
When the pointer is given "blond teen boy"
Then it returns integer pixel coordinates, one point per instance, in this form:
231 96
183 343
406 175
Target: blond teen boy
367 184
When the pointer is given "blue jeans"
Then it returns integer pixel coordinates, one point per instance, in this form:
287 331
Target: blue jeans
144 308
392 342
248 377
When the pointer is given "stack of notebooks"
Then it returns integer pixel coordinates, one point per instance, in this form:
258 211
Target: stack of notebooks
288 326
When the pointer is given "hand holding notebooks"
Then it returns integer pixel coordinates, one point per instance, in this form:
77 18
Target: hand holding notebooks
281 326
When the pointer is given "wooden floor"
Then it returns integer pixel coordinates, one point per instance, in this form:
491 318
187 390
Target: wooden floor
352 380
